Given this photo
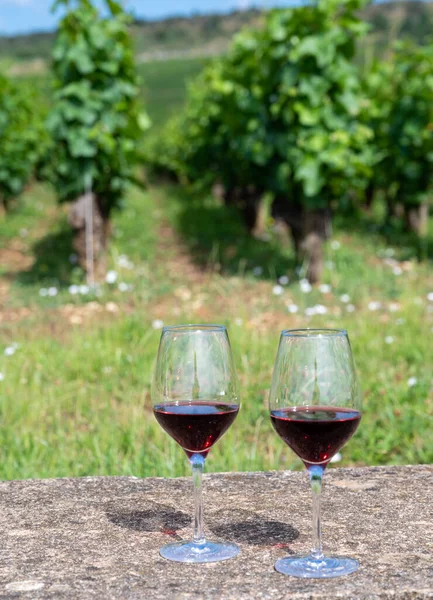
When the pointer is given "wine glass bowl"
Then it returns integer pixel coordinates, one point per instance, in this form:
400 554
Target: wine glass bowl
195 400
315 407
196 426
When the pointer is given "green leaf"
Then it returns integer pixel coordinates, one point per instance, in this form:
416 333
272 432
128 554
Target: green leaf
82 148
350 102
307 116
115 8
310 45
80 58
308 173
143 121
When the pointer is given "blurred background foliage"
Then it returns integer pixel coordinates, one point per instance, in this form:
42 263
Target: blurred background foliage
297 120
264 169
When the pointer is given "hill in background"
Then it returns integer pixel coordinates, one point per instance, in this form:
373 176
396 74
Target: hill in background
151 37
206 35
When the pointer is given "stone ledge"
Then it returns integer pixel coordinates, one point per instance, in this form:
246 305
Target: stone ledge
99 537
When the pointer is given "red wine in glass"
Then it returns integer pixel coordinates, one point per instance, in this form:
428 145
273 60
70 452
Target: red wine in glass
315 433
196 426
195 399
315 408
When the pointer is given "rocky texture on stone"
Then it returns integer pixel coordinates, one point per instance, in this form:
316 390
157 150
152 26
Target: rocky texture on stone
99 537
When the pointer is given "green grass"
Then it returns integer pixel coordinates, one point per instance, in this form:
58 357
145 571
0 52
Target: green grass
24 214
75 397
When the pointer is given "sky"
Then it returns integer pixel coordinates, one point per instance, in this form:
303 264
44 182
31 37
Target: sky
22 16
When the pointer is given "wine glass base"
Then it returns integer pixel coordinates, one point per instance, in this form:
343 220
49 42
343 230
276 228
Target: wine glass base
190 552
309 567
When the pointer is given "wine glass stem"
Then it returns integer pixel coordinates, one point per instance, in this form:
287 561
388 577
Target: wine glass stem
197 464
316 474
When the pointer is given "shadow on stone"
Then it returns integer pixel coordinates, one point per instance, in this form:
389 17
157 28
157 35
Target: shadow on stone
159 518
250 528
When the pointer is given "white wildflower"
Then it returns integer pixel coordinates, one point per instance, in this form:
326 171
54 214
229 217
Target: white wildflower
292 308
43 292
277 290
157 324
345 298
389 252
350 308
389 339
430 297
84 289
310 311
373 305
123 287
239 321
394 307
412 381
336 458
10 350
325 288
124 262
111 277
53 291
305 286
2 377
73 289
257 271
320 309
283 280
335 245
397 270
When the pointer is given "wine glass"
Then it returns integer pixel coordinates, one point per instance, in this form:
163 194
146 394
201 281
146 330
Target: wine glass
315 405
195 400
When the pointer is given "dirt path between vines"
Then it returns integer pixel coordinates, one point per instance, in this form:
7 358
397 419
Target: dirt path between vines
193 292
16 256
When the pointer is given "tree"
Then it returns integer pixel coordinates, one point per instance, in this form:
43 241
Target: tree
96 123
280 114
22 138
401 116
